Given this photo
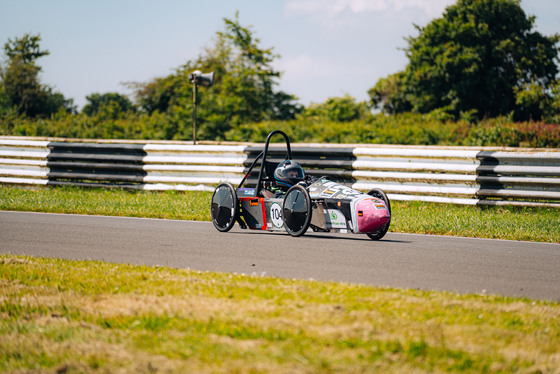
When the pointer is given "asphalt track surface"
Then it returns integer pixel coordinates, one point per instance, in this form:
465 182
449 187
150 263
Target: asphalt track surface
425 262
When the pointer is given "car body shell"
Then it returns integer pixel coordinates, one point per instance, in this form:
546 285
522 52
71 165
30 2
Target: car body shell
318 203
335 208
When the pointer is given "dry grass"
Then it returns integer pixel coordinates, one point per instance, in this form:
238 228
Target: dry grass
65 316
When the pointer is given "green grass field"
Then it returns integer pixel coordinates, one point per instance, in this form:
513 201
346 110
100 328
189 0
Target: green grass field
59 316
532 224
62 316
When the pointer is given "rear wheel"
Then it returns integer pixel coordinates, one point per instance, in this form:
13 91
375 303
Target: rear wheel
224 207
380 194
296 210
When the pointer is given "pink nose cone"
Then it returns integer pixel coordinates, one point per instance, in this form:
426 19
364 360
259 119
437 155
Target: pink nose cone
372 215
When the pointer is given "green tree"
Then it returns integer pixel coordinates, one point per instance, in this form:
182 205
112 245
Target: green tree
388 94
338 109
161 93
25 49
244 89
112 102
482 55
19 80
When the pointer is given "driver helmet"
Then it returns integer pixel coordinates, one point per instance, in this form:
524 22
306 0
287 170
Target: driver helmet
288 173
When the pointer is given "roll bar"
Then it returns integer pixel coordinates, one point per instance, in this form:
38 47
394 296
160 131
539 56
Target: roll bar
264 154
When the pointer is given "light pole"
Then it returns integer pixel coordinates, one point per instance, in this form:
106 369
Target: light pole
197 78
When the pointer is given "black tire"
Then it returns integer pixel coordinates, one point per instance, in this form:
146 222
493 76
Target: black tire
380 194
224 208
296 210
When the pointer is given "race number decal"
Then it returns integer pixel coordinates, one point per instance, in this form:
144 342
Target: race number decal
276 215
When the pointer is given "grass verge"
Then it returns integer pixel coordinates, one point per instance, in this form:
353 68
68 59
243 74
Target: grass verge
70 316
514 223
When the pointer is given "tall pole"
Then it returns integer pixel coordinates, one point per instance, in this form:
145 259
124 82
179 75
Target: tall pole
206 80
195 90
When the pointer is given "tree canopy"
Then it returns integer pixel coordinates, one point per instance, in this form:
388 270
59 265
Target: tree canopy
244 89
20 87
111 103
482 57
338 109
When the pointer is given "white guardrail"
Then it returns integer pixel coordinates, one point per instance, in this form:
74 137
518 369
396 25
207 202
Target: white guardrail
459 175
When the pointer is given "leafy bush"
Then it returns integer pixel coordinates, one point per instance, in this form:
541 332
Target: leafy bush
406 128
412 129
511 134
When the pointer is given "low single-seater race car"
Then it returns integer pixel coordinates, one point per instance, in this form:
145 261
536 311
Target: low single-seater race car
284 198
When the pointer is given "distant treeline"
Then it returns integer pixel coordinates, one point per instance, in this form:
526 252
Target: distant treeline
408 128
479 75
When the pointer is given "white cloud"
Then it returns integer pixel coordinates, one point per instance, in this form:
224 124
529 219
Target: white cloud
332 8
299 66
305 66
314 79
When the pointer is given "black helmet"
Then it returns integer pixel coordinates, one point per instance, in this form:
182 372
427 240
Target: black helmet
288 173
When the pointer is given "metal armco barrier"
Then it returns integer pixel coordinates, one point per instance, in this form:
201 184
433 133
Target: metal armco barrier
192 167
459 175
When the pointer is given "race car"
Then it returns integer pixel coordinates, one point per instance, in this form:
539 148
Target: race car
285 198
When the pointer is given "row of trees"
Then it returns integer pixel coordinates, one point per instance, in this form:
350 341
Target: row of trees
481 59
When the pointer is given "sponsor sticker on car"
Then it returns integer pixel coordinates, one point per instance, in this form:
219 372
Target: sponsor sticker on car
335 219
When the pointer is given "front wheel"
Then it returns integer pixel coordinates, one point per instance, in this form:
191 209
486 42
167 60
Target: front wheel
296 210
224 207
380 194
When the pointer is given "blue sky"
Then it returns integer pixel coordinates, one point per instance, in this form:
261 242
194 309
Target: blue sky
328 47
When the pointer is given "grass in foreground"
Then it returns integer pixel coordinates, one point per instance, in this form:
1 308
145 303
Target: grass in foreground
71 316
514 223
